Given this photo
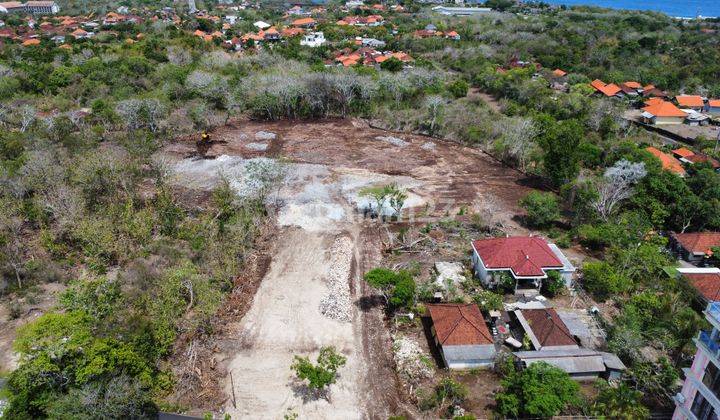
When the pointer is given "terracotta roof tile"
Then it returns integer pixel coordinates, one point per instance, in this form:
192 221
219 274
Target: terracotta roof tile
683 152
660 108
698 242
668 162
548 328
689 100
525 256
707 284
459 324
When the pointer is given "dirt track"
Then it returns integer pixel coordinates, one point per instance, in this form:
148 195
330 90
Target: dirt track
332 161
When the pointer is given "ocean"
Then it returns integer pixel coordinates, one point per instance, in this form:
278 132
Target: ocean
676 8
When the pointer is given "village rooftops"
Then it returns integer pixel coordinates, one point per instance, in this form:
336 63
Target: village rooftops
459 324
668 162
660 108
545 328
608 90
559 73
524 256
698 242
705 280
690 101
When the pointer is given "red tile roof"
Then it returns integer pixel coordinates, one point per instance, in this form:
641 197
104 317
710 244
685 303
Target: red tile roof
633 85
689 100
698 242
525 256
660 108
607 90
715 103
668 162
702 158
459 324
683 152
707 284
559 73
548 328
303 22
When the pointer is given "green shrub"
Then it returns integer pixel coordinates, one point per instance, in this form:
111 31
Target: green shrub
542 208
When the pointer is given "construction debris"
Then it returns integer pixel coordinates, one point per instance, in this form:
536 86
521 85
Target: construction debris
393 140
413 365
336 305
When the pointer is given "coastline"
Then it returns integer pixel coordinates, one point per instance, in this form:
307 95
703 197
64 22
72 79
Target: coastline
602 4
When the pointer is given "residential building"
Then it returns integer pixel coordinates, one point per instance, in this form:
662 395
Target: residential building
307 22
706 281
558 73
695 248
461 11
42 7
553 343
660 112
12 7
463 338
694 102
713 107
526 259
313 39
668 162
699 398
609 90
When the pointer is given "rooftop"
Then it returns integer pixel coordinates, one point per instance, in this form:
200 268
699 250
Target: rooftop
459 324
547 327
698 242
668 162
525 256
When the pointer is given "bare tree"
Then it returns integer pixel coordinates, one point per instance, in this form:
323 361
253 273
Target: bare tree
617 185
434 105
27 116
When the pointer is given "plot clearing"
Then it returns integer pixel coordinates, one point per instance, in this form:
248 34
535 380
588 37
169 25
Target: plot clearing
313 295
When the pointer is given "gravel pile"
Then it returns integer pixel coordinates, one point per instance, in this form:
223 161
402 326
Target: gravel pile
265 135
336 304
412 364
258 147
428 146
393 140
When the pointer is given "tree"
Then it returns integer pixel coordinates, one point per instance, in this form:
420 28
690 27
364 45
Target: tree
542 208
602 280
617 185
398 288
385 194
392 64
559 142
554 284
618 402
321 375
540 390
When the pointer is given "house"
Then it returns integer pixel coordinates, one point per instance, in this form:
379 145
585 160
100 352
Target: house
372 43
460 332
630 84
313 39
12 7
461 11
307 22
703 158
651 91
42 7
557 73
261 25
661 112
668 162
694 102
695 247
526 259
553 343
706 281
698 396
713 107
609 90
81 34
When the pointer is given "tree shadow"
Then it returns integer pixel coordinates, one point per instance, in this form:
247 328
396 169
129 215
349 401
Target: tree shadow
368 303
434 348
303 391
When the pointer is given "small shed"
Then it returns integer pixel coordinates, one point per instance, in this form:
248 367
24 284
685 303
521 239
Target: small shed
460 332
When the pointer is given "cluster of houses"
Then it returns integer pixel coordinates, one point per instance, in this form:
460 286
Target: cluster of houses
657 106
366 56
431 31
674 162
531 331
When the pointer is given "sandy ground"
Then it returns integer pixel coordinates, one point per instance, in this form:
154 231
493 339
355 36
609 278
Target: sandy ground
321 235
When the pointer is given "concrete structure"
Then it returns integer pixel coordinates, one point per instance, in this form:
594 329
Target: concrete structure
526 259
699 398
460 332
313 39
461 11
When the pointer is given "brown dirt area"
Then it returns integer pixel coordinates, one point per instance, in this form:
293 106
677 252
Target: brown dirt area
245 371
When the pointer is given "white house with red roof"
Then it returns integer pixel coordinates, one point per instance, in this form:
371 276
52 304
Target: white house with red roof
460 332
528 259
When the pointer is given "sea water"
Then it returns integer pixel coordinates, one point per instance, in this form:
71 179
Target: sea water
676 8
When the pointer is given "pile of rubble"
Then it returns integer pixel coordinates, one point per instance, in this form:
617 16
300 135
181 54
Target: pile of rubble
337 305
393 140
413 365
